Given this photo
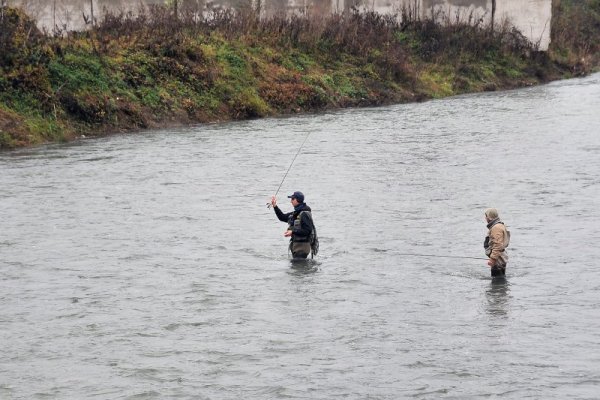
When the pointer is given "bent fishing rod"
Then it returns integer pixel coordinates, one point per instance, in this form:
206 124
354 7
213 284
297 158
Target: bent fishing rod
290 167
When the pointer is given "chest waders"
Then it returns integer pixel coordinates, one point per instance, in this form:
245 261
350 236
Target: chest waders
500 268
302 246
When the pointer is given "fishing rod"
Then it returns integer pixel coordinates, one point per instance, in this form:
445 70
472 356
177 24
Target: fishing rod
290 167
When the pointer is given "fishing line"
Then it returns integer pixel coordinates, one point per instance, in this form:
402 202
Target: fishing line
438 256
400 254
290 167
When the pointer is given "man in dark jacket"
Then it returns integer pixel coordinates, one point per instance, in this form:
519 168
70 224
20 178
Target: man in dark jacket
300 224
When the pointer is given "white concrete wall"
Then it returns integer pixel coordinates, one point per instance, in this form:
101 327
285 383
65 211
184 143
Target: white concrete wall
68 14
531 17
472 11
61 13
72 14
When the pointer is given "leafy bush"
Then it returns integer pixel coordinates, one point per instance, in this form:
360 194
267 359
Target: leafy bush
575 33
21 41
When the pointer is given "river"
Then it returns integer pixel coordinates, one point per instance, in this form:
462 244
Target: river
147 266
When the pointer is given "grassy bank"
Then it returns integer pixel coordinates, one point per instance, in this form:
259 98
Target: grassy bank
153 70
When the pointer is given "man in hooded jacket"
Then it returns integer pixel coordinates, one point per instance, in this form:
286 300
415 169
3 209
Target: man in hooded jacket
496 242
300 224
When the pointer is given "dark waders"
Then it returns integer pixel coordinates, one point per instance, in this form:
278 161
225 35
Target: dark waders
300 250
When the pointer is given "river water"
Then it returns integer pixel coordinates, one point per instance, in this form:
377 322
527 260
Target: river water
146 266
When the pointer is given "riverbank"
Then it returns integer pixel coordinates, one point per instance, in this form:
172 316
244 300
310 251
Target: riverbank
130 73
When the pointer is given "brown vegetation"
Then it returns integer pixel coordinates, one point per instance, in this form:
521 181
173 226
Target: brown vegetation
152 69
576 34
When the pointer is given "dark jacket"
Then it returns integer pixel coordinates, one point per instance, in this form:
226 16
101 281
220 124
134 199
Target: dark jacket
300 231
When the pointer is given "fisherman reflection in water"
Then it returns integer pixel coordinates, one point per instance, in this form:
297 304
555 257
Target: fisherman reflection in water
496 242
301 230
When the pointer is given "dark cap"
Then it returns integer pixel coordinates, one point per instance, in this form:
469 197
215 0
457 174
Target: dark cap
298 196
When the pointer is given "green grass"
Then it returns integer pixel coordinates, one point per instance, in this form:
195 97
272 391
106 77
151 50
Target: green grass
79 72
55 88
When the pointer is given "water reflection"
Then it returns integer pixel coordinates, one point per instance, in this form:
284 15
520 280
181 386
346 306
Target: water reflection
303 266
498 297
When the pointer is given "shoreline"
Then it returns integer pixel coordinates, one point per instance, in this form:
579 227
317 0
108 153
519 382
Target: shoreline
169 125
127 75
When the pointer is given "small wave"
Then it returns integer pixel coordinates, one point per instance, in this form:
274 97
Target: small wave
94 159
376 250
150 394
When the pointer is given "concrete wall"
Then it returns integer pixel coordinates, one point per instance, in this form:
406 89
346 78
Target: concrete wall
531 17
76 14
68 14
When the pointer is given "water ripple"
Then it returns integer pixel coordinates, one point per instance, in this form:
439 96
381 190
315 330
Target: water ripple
147 266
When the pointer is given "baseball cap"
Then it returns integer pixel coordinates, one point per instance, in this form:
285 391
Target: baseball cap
298 196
